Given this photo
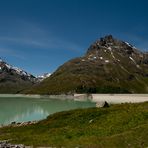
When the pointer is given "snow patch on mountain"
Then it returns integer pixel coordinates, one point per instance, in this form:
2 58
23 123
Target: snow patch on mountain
110 49
128 44
133 60
44 76
17 70
4 65
106 61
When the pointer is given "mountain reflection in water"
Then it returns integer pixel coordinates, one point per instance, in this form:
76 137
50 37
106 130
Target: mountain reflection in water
21 109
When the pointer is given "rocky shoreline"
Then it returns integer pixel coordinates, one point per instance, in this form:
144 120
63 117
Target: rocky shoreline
6 144
18 124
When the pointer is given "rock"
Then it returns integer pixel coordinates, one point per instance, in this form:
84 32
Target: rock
106 104
102 104
17 124
90 121
5 144
13 123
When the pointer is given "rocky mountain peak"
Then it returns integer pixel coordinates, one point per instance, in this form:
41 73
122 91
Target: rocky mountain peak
109 43
107 39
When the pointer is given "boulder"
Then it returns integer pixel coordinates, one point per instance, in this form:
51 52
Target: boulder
102 104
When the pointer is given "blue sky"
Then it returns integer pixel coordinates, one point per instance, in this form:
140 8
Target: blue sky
40 35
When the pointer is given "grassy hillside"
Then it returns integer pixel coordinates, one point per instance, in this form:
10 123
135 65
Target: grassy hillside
124 125
15 87
90 78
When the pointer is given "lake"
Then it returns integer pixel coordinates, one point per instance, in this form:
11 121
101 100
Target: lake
23 109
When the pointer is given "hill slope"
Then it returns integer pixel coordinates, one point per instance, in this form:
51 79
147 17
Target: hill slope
123 125
109 66
13 79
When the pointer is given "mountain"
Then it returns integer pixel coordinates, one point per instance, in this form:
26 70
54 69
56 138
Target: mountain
109 66
42 77
13 79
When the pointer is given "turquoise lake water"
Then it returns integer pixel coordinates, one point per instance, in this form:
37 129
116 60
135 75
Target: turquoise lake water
23 109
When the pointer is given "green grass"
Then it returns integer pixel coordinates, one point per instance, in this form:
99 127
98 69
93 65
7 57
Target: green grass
124 125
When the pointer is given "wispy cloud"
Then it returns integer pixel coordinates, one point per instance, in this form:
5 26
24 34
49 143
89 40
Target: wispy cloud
9 52
53 43
29 34
43 43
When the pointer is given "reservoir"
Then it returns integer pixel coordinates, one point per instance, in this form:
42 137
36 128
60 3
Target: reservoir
15 108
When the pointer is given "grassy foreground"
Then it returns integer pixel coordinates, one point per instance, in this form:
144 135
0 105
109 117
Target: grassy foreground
124 125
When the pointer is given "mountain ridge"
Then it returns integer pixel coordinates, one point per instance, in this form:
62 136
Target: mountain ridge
14 79
109 66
